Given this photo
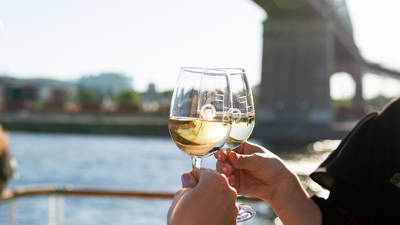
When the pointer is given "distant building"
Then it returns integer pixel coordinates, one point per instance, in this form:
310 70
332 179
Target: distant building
106 84
18 94
50 90
152 101
20 97
151 88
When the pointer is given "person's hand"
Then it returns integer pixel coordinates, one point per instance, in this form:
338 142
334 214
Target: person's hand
6 165
206 198
3 140
257 172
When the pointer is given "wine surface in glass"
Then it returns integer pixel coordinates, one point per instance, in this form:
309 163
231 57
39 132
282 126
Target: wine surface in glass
198 137
241 130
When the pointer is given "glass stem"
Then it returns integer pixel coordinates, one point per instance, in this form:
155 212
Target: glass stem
196 162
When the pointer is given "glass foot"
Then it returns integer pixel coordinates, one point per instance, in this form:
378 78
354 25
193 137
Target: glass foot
245 213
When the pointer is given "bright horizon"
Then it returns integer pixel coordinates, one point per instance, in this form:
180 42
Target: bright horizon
150 40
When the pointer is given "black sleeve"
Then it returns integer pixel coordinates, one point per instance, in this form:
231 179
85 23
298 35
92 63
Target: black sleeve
332 215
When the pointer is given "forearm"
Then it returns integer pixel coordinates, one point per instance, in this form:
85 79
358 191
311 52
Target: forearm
294 206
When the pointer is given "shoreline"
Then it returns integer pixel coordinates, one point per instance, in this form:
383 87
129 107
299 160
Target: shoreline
145 125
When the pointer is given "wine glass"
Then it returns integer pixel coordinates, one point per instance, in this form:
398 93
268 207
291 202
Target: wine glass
199 120
243 120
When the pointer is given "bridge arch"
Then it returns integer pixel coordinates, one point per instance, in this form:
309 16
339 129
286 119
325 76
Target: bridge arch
302 48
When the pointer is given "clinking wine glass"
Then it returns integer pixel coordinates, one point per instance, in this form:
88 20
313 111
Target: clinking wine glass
199 121
243 121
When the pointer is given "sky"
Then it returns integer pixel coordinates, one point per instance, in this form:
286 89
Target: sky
150 40
376 33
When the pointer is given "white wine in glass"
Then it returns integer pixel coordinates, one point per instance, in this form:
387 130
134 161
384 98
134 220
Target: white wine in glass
196 136
242 111
243 121
199 121
241 129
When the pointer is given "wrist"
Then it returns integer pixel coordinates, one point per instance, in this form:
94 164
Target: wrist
283 191
293 205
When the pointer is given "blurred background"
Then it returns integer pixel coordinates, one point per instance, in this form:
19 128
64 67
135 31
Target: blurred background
85 88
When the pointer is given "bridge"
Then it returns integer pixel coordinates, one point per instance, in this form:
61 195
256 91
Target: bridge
305 42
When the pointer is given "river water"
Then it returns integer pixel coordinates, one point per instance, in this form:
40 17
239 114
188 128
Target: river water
113 162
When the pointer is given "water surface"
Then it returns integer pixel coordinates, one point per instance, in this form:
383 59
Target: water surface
99 161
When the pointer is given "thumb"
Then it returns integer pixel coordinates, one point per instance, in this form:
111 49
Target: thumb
188 181
246 162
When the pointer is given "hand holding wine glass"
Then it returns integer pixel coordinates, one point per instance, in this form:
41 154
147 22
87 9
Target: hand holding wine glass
203 197
254 171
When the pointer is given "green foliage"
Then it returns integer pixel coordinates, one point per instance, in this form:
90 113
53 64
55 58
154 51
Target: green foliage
342 103
130 97
167 93
88 96
379 101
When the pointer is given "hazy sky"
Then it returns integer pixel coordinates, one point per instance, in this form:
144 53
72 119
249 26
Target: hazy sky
150 40
377 34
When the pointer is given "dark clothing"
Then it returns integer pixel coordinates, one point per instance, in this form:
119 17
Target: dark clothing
363 173
334 215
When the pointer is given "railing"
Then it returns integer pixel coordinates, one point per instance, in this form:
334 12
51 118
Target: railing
56 199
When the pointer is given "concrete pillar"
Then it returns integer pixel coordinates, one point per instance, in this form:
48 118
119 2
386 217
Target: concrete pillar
357 73
357 107
298 59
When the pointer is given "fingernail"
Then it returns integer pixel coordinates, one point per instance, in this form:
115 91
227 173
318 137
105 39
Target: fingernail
185 178
233 156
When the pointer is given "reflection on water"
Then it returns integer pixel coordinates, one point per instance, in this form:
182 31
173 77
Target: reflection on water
305 162
119 162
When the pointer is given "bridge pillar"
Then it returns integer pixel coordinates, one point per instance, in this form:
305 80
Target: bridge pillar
357 72
294 103
357 108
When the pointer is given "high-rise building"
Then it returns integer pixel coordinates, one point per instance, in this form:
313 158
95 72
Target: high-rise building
106 84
